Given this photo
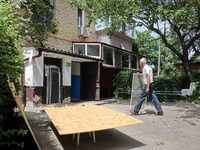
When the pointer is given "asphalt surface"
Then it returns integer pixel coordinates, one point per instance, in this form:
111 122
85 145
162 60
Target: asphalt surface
177 129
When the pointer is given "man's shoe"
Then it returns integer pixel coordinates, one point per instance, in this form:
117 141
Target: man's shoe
133 112
159 113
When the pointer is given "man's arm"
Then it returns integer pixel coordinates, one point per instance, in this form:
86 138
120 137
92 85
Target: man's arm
148 83
140 74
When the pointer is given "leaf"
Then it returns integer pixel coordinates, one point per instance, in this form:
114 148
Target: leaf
162 143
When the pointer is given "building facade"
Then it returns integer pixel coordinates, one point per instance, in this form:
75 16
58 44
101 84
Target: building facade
78 62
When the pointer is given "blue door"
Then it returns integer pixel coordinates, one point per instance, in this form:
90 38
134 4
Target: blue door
75 86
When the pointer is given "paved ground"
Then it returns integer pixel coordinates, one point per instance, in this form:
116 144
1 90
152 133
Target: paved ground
178 129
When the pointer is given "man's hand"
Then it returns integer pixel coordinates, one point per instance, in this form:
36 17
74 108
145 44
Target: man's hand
139 74
147 90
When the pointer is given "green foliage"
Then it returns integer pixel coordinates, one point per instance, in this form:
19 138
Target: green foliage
148 46
172 83
176 22
195 96
17 27
12 125
41 21
123 81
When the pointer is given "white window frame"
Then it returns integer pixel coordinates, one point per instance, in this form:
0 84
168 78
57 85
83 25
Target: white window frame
86 44
113 54
101 28
136 62
120 58
93 44
128 58
79 44
83 16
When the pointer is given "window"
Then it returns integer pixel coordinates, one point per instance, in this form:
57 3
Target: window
46 13
118 58
102 24
87 49
79 48
108 55
130 29
93 50
125 59
80 17
134 62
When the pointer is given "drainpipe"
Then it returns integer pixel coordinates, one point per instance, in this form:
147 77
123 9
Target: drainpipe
38 55
22 79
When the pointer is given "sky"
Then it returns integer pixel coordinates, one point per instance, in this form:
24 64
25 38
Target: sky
144 28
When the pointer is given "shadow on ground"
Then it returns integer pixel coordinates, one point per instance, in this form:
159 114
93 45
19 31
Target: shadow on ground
105 139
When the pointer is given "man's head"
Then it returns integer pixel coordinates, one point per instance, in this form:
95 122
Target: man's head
142 62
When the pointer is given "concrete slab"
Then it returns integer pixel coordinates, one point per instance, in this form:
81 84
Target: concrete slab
173 130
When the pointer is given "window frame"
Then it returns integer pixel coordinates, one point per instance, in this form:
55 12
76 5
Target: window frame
136 62
128 60
78 21
101 28
86 49
113 55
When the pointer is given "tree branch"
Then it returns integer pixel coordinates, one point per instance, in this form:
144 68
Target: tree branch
192 41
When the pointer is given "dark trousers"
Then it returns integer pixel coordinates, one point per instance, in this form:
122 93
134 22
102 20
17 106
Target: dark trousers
144 94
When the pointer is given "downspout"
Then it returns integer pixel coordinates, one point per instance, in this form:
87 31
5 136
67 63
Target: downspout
22 77
38 55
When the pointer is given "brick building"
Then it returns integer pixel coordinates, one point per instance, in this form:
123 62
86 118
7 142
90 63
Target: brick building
78 62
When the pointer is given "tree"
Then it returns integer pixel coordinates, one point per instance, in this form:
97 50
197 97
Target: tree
148 45
17 27
180 17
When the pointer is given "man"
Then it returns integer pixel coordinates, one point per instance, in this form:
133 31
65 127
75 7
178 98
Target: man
148 88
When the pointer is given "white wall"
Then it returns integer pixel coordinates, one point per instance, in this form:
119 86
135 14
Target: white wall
115 41
66 72
38 68
34 69
28 77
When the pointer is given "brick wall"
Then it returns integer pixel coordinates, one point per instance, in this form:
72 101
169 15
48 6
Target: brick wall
68 29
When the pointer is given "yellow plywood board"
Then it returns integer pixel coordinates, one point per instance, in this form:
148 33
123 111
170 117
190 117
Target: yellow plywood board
79 118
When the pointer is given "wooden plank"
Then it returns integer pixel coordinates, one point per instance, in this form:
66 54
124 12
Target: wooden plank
79 118
12 87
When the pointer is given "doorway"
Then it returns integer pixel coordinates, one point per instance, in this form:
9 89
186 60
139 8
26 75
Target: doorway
52 80
90 80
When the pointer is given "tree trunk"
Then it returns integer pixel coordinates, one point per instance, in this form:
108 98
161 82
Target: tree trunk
188 70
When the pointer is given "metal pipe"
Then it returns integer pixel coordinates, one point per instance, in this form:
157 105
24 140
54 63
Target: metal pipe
38 55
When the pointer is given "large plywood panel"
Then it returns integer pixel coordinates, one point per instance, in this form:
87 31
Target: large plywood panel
79 118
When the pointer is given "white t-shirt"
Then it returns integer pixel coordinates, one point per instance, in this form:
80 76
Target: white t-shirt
147 70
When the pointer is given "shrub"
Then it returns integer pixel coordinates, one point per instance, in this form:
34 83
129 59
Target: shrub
195 96
123 82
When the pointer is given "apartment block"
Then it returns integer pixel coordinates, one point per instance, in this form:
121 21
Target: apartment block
79 62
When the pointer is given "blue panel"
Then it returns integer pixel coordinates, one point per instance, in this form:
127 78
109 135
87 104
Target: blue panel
76 86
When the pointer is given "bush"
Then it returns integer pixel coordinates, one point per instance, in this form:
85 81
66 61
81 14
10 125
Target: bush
123 82
195 96
174 83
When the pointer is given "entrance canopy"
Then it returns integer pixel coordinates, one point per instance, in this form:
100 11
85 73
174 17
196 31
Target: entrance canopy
75 56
